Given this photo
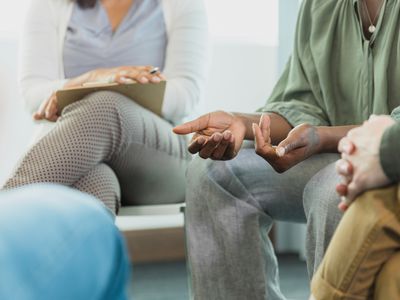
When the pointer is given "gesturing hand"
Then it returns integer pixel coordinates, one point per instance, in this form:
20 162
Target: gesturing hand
218 135
301 142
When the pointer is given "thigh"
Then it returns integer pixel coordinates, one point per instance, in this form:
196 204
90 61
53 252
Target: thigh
151 167
279 195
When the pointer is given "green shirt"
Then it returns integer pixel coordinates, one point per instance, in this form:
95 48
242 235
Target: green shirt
335 75
389 152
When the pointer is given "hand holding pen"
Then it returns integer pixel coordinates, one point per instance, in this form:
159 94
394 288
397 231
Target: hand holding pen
48 110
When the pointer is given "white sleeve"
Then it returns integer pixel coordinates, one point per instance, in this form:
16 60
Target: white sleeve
39 55
186 59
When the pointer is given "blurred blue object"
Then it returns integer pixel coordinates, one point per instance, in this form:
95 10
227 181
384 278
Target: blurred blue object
58 243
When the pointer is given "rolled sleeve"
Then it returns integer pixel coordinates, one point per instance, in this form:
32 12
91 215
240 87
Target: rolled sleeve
297 112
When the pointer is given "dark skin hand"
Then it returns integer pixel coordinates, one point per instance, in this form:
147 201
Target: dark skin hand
301 142
219 135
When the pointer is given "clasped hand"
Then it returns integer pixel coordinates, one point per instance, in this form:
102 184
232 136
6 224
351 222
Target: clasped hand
48 110
360 166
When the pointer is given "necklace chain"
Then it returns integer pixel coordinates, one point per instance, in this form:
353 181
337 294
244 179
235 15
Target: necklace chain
372 26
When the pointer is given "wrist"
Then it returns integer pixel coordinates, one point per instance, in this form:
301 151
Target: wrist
246 122
326 142
80 80
89 76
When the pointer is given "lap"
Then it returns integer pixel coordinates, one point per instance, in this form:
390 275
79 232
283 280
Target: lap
279 195
137 124
151 164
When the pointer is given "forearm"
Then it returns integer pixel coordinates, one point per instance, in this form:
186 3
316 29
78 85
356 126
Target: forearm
331 135
279 126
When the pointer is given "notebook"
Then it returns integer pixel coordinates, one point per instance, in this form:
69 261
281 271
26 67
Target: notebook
150 95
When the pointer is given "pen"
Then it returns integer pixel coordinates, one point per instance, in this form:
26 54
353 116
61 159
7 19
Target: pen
154 70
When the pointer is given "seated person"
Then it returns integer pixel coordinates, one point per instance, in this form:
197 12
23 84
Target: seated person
343 68
58 243
106 144
363 258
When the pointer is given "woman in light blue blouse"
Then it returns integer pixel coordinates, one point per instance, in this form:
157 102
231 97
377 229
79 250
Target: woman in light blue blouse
107 145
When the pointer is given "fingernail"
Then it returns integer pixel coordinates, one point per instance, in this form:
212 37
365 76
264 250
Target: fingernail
156 79
143 80
280 151
201 140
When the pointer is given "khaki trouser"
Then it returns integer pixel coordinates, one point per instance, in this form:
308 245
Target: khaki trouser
362 260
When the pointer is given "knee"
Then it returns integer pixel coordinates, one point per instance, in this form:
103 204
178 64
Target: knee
203 178
102 105
319 194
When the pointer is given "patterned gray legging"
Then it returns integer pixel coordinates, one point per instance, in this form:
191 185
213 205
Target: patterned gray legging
108 146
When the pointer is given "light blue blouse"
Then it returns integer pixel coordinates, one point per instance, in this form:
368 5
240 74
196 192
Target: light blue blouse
90 43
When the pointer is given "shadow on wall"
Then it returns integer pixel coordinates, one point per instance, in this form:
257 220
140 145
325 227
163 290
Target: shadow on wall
15 122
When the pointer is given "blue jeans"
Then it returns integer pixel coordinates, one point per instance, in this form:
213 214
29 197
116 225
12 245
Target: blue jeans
58 243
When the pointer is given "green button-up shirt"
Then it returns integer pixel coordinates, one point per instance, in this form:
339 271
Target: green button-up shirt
335 75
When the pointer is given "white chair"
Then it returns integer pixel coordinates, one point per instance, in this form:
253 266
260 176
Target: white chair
147 217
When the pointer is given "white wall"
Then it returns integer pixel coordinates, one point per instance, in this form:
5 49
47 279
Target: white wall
244 53
250 20
15 122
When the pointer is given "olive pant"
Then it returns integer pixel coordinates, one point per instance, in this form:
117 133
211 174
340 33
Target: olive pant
362 260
